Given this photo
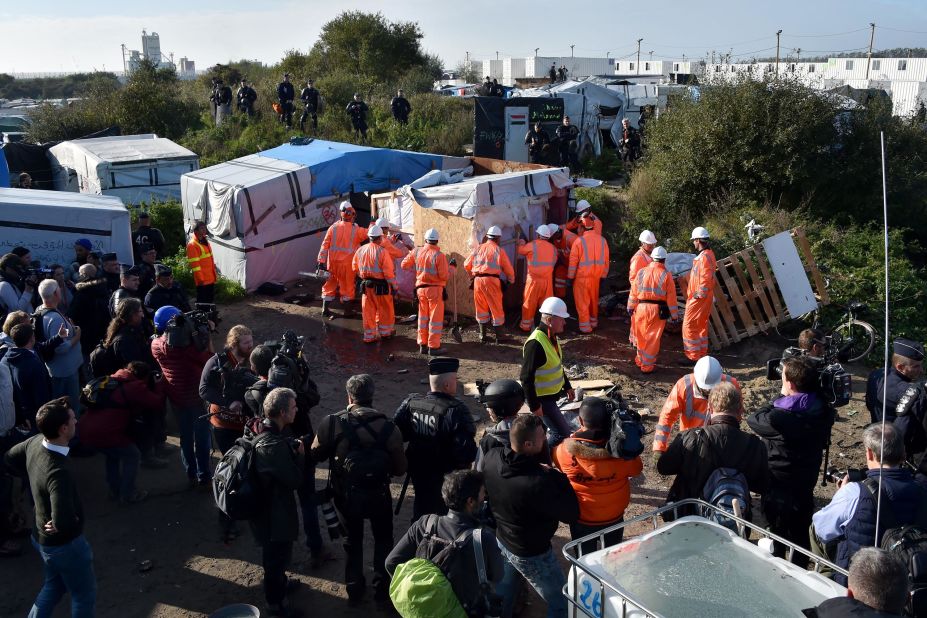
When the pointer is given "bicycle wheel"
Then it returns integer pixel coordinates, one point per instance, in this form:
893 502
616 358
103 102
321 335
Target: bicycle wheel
858 337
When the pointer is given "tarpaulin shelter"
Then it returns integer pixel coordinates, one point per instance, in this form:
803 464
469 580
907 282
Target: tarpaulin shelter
4 172
49 223
267 213
136 168
30 158
462 205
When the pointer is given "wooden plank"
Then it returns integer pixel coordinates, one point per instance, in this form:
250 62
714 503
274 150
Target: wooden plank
747 292
811 266
717 338
770 282
728 320
742 310
757 285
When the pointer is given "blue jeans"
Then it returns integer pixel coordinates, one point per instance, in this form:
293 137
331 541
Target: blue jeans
557 425
70 386
544 575
195 441
68 568
121 469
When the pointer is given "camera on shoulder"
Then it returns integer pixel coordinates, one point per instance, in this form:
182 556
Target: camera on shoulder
834 382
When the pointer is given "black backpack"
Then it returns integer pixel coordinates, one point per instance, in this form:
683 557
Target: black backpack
103 361
723 486
365 467
234 485
625 438
38 323
98 393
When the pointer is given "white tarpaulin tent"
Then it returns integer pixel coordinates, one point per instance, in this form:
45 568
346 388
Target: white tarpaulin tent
48 223
136 168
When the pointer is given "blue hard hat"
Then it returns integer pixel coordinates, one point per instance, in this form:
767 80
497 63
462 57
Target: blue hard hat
163 315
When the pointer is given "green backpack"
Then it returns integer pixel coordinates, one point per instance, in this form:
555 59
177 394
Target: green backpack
420 590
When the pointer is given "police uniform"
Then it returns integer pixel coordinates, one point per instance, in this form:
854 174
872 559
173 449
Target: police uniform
440 433
122 293
159 296
112 279
894 385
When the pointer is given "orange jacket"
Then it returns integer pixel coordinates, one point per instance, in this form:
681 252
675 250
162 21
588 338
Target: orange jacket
654 283
395 248
576 226
638 260
702 275
489 259
199 257
588 257
341 241
685 404
599 480
430 265
541 257
372 261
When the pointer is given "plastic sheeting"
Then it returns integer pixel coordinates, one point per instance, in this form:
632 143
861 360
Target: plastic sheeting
4 172
50 222
137 168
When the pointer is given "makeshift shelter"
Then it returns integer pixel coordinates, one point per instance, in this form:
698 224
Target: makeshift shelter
4 172
49 223
31 158
136 168
517 197
267 213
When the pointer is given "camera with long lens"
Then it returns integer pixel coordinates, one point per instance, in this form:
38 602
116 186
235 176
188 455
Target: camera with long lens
33 276
191 328
332 521
289 367
211 312
835 385
836 475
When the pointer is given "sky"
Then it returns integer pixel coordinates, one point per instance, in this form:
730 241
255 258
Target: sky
68 36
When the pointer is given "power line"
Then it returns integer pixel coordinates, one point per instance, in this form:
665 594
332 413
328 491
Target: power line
817 36
900 30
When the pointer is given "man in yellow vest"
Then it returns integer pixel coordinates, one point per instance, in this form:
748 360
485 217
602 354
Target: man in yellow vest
542 374
199 257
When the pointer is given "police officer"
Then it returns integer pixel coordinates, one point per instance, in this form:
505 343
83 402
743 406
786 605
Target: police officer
285 95
358 111
310 98
166 291
146 268
907 366
567 134
246 96
144 233
537 139
440 433
401 108
128 287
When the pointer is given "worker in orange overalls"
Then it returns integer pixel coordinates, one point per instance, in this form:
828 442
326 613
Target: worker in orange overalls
541 257
583 208
373 264
588 266
688 401
338 247
199 257
393 243
562 240
638 261
652 290
485 266
699 298
431 273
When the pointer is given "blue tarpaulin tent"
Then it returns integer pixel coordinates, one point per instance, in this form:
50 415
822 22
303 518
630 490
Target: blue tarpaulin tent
4 171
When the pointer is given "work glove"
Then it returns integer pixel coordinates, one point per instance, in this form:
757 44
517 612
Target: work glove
321 266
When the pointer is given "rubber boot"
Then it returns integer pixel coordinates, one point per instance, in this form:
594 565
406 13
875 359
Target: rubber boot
350 309
435 351
483 337
422 349
497 334
326 312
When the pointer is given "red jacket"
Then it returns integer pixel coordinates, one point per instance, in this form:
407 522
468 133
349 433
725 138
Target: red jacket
599 480
182 368
109 427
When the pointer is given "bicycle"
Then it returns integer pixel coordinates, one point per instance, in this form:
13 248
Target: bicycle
853 337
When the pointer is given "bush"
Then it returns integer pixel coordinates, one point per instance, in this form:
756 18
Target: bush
227 290
167 217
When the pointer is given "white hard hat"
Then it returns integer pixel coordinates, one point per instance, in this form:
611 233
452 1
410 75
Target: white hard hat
659 253
431 234
543 231
647 237
383 223
554 306
552 228
375 231
700 233
494 231
582 205
707 372
345 205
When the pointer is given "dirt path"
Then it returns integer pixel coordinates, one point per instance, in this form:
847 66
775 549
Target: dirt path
193 573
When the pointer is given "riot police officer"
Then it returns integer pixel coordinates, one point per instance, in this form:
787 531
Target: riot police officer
907 366
440 433
537 139
285 95
246 96
310 98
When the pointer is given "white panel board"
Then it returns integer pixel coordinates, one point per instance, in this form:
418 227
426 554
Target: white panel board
790 274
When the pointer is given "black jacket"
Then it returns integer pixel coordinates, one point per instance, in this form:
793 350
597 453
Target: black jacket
90 310
285 92
150 235
528 500
796 430
279 470
175 296
400 107
31 384
694 454
843 607
310 96
439 442
131 344
120 295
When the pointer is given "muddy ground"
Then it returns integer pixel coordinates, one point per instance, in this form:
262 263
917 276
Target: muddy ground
193 573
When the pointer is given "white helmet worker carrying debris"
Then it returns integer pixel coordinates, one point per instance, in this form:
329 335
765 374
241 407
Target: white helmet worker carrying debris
582 205
647 237
431 235
543 231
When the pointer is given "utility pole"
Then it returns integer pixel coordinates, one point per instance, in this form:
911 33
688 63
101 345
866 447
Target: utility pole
869 55
571 50
651 55
536 51
798 54
607 54
497 55
468 58
639 56
125 69
778 34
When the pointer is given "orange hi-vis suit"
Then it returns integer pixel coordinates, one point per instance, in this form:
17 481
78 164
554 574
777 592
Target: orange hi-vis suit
338 247
576 226
373 264
687 404
699 301
199 257
653 285
638 261
396 249
431 272
485 265
541 257
563 246
588 266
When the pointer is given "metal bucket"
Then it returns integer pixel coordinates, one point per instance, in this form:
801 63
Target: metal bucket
237 610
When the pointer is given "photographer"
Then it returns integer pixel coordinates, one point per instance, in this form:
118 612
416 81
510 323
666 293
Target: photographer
848 523
907 367
15 289
796 429
89 309
182 364
166 291
223 382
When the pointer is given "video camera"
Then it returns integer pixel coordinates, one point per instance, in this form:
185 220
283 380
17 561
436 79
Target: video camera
834 383
189 328
211 313
34 275
835 474
289 367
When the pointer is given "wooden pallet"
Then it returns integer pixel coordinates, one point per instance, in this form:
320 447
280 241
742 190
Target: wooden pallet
747 296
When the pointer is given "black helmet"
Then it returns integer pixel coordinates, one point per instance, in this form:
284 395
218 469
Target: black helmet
504 397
